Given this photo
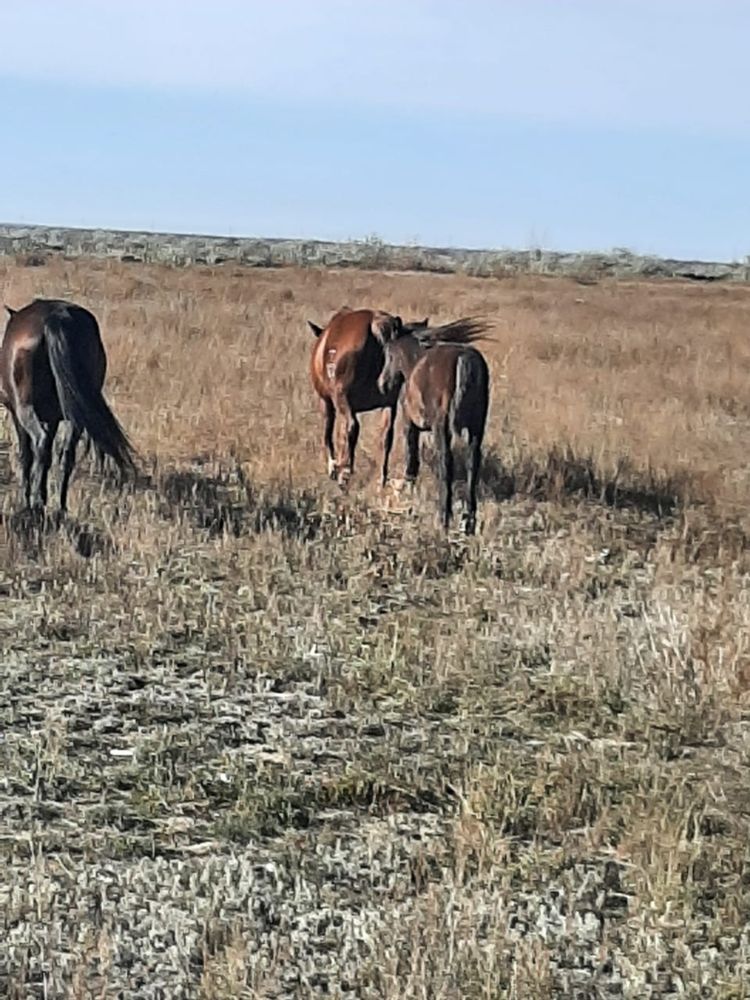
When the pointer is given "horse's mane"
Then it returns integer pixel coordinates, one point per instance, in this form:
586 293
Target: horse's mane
460 331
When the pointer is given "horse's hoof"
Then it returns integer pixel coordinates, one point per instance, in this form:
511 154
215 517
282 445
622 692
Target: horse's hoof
332 470
29 518
468 522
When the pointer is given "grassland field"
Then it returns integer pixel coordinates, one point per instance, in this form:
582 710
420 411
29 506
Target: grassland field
260 738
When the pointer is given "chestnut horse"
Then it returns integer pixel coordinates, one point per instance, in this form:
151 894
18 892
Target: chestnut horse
344 367
446 389
52 368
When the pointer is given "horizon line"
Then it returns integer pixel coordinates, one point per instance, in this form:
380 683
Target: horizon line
376 241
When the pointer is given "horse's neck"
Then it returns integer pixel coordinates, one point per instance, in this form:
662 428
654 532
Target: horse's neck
411 352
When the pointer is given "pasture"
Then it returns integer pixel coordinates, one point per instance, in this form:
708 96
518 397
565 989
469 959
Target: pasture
260 737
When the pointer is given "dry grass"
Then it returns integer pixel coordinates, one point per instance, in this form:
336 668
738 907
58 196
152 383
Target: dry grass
260 739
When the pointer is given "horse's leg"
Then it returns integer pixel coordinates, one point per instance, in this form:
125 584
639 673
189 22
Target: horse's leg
346 468
389 423
72 437
26 457
328 429
45 461
475 462
100 459
42 439
443 433
412 452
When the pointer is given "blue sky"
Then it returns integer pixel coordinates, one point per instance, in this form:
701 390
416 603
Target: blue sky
569 124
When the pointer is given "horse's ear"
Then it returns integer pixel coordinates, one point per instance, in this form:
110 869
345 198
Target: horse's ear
317 330
10 311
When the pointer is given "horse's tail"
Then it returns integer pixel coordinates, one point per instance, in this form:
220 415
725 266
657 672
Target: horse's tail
81 400
468 409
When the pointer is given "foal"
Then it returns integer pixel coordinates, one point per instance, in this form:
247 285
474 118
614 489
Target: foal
344 367
446 390
52 368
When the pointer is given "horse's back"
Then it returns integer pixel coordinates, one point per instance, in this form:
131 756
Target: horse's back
348 330
440 364
436 369
347 358
448 378
25 372
26 325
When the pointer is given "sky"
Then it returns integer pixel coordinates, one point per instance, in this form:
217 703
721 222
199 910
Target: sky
563 124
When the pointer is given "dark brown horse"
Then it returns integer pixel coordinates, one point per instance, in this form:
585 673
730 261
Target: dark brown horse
344 367
52 368
446 389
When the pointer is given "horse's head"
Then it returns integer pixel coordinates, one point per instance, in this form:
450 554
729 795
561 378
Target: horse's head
393 371
389 375
398 328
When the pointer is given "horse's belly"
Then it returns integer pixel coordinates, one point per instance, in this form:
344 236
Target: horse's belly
363 402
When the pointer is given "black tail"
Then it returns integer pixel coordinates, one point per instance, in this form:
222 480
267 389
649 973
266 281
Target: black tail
81 401
471 396
460 331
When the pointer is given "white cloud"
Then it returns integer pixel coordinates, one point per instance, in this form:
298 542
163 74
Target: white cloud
675 63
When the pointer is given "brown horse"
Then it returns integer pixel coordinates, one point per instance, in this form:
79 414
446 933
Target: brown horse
52 368
446 390
344 367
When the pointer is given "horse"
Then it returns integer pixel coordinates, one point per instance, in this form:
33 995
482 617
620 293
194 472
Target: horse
444 384
346 359
52 368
